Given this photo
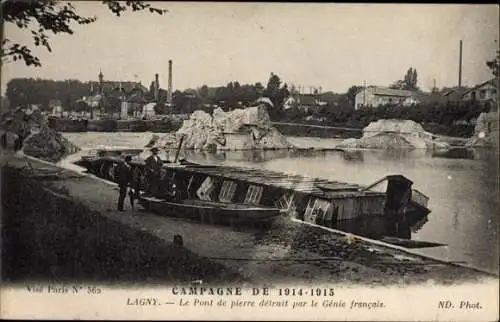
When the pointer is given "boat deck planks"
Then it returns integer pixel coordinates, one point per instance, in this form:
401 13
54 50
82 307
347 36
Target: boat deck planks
315 186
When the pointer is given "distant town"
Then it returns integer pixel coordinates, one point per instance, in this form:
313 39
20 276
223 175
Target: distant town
446 110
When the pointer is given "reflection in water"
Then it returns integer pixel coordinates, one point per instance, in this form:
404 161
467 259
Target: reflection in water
243 156
456 153
419 224
353 156
396 154
455 220
463 193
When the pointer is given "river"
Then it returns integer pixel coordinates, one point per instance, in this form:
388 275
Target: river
463 188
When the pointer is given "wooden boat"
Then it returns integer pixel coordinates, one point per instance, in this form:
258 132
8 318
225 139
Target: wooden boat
210 211
389 207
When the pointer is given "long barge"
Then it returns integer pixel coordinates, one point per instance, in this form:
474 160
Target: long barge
388 208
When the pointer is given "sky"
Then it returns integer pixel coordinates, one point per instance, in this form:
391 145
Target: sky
333 46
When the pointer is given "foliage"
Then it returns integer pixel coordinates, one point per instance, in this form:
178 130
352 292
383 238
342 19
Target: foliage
399 84
443 118
42 17
275 92
69 93
351 93
203 92
409 81
184 102
25 91
231 96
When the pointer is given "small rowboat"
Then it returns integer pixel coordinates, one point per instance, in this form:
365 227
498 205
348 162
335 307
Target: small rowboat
210 211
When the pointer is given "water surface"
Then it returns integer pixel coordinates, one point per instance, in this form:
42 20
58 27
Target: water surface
462 186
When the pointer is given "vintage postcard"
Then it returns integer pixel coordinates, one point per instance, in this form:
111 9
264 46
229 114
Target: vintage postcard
249 161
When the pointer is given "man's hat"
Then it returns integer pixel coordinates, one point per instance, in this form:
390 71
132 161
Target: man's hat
154 149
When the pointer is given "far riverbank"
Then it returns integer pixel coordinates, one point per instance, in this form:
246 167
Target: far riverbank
462 187
338 131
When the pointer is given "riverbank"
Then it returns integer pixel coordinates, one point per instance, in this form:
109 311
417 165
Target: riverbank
287 129
89 240
321 131
162 126
49 234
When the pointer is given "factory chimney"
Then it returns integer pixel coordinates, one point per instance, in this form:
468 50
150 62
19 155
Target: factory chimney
157 88
460 66
169 94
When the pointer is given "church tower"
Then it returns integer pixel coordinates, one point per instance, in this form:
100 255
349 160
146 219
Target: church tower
101 80
101 92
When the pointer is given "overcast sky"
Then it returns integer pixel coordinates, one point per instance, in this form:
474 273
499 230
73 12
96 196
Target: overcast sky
329 45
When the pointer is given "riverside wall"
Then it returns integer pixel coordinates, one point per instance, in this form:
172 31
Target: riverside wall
158 126
169 125
307 130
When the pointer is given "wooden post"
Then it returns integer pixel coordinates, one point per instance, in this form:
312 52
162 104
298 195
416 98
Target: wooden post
460 66
178 149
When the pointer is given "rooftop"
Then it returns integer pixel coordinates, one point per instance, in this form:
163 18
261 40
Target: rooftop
308 99
488 82
120 85
385 91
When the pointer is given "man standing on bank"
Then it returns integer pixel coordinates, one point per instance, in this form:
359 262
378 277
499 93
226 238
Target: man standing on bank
124 178
153 169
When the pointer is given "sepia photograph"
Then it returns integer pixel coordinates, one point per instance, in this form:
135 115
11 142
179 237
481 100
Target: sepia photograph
249 161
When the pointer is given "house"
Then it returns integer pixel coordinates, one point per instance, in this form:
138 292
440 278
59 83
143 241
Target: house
373 96
107 87
148 110
111 94
263 100
304 102
56 107
454 94
483 93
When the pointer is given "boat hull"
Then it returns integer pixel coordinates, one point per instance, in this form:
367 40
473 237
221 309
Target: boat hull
210 212
349 207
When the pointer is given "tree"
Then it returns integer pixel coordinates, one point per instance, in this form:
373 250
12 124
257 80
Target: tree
23 91
203 92
400 84
409 82
351 94
411 79
275 92
273 85
283 94
44 16
259 88
152 87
